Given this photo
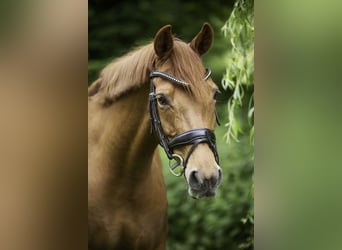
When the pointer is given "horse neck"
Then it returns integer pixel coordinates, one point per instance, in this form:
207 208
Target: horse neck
122 134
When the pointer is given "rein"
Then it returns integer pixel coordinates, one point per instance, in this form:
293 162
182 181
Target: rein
191 137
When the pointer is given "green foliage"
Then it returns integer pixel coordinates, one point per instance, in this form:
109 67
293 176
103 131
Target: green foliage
239 76
222 222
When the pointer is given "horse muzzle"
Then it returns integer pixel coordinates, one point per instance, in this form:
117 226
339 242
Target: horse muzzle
200 186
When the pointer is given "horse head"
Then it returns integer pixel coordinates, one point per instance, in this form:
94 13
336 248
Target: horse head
182 108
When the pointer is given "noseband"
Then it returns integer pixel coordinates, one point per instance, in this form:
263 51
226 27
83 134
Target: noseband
191 137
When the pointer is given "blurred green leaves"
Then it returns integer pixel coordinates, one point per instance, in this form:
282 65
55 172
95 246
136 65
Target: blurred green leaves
239 30
225 221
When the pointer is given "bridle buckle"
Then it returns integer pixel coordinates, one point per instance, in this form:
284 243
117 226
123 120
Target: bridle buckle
179 162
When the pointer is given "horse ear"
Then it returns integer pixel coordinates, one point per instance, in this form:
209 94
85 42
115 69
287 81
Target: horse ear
163 42
203 40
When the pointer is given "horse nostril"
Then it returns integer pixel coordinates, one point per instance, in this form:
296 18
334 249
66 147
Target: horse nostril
219 176
195 180
214 181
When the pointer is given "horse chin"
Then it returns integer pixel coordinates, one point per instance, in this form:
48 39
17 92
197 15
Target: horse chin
197 194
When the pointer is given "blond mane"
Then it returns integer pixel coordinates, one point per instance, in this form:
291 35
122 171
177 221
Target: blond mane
131 71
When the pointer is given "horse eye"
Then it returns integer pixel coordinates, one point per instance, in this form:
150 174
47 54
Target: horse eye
163 100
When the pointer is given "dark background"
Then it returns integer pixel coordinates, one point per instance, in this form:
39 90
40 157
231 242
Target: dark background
115 27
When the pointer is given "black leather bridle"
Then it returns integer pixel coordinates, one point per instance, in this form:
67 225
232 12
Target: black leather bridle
192 137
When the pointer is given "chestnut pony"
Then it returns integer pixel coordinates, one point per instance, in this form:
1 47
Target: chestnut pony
157 94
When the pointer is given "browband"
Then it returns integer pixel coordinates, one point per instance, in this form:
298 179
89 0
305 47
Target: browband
166 76
155 73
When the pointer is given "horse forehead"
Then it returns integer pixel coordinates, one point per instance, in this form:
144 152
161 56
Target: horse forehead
204 87
199 92
187 101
